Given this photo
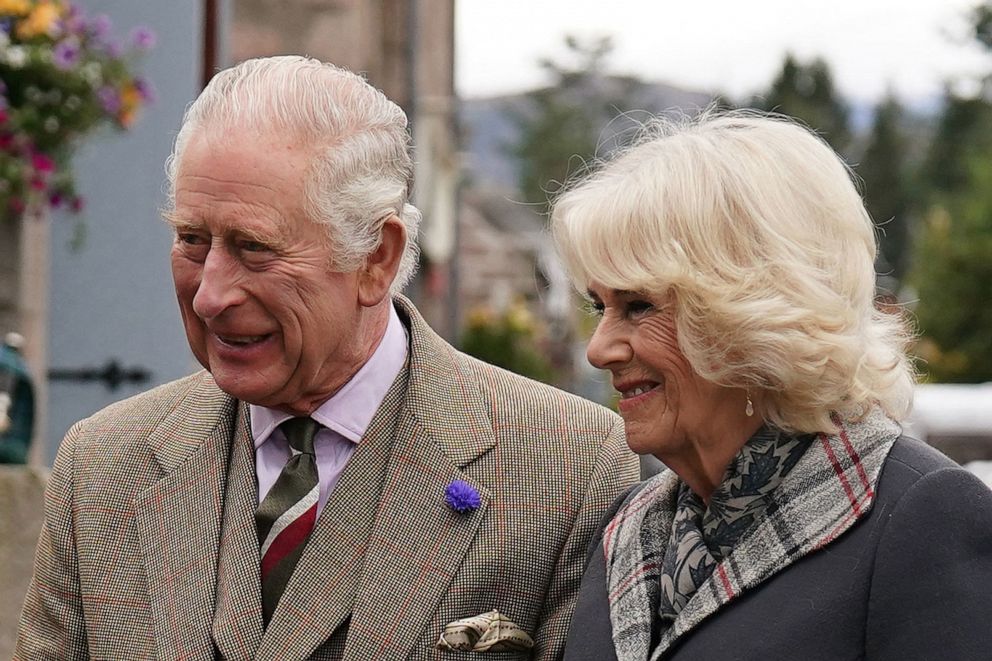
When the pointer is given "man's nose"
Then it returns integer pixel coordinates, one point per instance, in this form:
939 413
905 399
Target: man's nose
219 287
607 347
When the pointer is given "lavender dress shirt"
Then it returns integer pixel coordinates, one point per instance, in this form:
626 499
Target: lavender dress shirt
344 417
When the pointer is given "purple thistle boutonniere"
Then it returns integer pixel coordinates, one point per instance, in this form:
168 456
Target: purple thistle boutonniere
462 496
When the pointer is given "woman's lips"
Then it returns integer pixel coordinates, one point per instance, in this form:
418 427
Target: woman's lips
634 394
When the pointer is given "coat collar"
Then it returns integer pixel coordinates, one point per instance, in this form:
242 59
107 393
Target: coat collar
828 491
178 518
444 396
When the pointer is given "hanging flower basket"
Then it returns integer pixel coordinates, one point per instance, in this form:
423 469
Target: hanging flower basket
62 77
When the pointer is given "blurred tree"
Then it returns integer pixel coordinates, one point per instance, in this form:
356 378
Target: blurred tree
559 131
952 253
953 276
806 92
964 132
888 196
509 339
981 21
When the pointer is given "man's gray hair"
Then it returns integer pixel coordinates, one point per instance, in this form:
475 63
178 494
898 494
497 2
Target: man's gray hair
362 170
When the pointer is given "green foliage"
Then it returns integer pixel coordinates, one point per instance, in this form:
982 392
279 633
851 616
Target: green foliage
884 170
953 277
806 92
510 340
964 132
552 145
558 132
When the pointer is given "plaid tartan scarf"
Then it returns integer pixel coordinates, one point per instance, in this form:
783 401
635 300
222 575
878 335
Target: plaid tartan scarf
827 489
701 535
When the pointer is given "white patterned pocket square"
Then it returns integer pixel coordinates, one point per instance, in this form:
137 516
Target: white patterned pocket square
488 632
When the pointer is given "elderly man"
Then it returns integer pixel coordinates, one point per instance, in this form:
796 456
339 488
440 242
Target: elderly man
338 482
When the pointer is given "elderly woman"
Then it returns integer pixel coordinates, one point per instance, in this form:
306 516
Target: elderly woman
730 262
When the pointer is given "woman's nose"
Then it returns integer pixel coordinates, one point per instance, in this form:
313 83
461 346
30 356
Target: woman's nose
607 346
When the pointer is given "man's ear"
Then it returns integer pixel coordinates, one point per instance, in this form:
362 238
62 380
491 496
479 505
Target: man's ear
381 266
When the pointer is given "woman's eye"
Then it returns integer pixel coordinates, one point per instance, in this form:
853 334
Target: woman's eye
637 308
593 308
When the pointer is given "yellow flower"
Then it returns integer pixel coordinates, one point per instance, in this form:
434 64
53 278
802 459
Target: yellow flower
15 7
130 102
43 19
130 97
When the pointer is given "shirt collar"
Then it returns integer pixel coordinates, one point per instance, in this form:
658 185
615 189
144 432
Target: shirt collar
350 410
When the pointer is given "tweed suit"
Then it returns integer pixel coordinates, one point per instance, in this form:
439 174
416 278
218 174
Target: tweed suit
149 550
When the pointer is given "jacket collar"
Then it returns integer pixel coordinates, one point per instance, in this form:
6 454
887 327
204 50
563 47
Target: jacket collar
830 489
178 519
381 508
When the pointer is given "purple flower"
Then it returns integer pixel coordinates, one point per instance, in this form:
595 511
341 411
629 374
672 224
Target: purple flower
100 26
110 100
65 55
143 38
74 21
113 49
462 496
145 90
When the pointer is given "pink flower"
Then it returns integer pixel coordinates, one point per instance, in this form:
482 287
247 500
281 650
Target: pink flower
42 163
110 100
66 54
143 38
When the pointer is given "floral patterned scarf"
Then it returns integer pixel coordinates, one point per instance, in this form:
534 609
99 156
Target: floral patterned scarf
702 536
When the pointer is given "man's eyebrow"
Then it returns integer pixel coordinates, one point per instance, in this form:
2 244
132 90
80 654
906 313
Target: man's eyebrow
176 221
274 239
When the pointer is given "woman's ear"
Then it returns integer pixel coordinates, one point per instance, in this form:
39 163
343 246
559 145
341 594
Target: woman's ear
381 266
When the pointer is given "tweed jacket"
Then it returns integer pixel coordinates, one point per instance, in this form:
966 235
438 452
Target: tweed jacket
149 549
908 577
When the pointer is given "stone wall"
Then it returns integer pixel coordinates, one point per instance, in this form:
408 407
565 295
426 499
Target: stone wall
21 502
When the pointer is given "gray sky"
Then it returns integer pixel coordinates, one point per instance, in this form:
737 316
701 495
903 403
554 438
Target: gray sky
732 46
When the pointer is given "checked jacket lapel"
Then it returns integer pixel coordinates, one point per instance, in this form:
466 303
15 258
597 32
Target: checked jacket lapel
418 543
386 546
178 520
237 620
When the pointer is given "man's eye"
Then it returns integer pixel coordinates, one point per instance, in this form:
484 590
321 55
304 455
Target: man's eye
252 246
189 238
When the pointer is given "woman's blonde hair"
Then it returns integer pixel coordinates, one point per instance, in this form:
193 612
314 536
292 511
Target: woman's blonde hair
754 227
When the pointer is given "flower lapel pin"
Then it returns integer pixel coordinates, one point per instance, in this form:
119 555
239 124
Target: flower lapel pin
462 497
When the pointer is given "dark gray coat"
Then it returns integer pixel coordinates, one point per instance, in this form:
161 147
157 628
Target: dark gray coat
911 580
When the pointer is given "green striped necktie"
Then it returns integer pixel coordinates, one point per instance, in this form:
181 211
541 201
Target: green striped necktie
288 512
